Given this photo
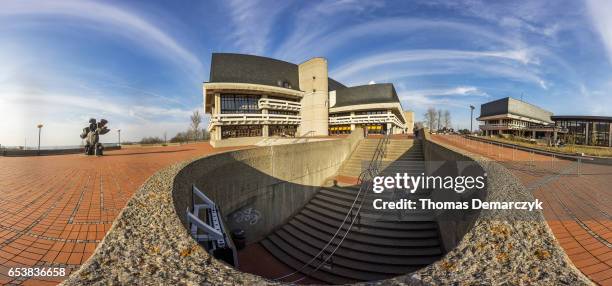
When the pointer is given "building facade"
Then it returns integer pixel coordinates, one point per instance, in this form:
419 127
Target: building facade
509 116
250 97
585 130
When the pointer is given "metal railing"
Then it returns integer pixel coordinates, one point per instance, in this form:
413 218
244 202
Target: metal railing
214 232
353 215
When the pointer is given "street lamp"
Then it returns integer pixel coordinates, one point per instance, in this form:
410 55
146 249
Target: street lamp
40 126
119 139
471 117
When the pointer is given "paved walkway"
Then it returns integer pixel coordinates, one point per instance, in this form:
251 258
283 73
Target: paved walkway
577 201
54 210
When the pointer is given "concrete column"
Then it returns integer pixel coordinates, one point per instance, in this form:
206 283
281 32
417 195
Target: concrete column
265 129
315 106
389 125
593 132
533 134
586 135
610 134
217 108
217 133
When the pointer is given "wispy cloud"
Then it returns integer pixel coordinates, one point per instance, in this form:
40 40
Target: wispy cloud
252 23
454 91
113 20
64 114
453 60
314 25
321 41
600 11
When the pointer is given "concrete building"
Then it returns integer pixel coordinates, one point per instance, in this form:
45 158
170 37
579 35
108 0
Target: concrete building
250 97
509 116
585 130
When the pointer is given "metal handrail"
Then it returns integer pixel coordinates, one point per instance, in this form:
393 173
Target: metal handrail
365 184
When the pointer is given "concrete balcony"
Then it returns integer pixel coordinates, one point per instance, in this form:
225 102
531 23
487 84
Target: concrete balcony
501 126
252 119
366 118
278 104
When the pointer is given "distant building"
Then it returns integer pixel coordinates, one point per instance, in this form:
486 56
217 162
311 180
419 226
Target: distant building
515 117
518 118
585 130
251 97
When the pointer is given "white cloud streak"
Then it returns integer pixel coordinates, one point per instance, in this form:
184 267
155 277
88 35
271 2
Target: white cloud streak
112 20
600 11
361 65
454 91
253 22
320 41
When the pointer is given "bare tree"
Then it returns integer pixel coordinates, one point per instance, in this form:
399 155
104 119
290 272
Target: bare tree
430 118
439 120
196 119
447 119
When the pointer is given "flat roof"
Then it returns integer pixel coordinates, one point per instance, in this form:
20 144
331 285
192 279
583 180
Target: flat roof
581 117
365 94
509 105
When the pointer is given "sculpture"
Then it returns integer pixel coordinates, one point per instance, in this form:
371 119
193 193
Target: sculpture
91 134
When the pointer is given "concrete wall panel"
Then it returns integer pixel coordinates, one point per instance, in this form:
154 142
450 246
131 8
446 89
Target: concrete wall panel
258 189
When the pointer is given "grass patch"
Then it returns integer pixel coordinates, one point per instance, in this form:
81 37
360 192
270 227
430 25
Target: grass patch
568 149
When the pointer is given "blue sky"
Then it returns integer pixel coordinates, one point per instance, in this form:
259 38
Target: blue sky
141 64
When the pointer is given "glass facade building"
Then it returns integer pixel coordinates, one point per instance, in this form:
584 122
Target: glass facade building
585 130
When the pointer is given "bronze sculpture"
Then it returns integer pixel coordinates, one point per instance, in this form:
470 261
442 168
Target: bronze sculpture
91 134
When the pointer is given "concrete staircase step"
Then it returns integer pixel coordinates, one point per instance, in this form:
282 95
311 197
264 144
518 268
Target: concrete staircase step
372 257
350 263
324 238
294 263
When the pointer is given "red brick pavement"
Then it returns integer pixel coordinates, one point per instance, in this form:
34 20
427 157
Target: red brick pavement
55 209
577 201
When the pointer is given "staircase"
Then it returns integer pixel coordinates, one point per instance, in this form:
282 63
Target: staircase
364 151
381 245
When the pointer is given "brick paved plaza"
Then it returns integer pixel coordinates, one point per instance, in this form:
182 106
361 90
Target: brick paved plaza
54 210
577 201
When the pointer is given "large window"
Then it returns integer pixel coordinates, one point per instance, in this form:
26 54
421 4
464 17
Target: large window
236 103
340 114
284 98
282 130
234 131
369 112
339 129
585 132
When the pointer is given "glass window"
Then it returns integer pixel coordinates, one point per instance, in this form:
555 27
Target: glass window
369 112
233 131
236 103
282 130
